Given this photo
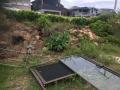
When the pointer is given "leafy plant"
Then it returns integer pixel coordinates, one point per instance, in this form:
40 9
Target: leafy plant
58 41
101 28
43 24
61 27
106 60
80 21
106 16
112 40
56 18
89 48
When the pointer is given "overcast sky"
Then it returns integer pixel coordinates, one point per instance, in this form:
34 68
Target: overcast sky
90 3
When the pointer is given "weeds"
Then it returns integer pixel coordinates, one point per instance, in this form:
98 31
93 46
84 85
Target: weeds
58 41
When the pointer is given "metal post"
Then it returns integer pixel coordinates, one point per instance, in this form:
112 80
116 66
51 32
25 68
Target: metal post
42 4
29 48
115 5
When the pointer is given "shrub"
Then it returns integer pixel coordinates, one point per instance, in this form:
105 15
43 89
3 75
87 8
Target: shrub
58 41
109 48
101 28
56 18
112 40
21 15
93 19
106 16
88 48
72 51
80 21
26 15
106 60
43 24
61 27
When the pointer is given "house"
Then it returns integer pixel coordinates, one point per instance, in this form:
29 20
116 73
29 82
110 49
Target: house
48 6
84 11
16 4
106 10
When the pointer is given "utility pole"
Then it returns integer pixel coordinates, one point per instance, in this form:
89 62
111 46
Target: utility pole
42 2
115 5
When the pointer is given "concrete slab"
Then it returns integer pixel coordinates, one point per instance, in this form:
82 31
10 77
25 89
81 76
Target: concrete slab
98 77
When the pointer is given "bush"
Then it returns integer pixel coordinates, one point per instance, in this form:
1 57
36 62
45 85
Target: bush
106 16
43 24
109 48
93 19
80 21
101 28
58 41
21 15
72 51
26 15
112 40
88 48
61 27
106 60
56 18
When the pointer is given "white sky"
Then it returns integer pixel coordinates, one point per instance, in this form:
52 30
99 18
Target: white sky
90 3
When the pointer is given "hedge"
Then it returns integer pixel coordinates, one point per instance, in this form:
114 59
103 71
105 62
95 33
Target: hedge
32 16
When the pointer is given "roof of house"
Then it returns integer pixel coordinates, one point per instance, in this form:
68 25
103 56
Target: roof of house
48 4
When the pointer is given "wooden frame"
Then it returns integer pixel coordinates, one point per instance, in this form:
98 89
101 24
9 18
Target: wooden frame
42 81
38 79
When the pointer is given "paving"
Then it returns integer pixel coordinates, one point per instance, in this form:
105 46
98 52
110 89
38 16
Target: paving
97 76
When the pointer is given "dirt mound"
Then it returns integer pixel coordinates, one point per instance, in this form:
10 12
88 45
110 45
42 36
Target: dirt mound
84 32
18 38
77 34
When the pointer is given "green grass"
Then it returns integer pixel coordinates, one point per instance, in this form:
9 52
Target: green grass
73 83
7 75
13 78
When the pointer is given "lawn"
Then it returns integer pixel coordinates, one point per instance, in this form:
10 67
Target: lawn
19 78
54 37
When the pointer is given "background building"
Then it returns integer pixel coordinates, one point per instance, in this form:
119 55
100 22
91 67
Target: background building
16 4
84 11
49 6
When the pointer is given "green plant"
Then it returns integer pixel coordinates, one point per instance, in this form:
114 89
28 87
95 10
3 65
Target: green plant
56 18
106 16
43 24
72 51
26 15
58 41
101 28
109 49
112 39
89 48
61 27
106 60
80 21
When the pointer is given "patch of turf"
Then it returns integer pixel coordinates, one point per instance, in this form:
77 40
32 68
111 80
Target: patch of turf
7 75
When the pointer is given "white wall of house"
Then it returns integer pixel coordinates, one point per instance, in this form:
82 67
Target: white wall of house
92 12
47 10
